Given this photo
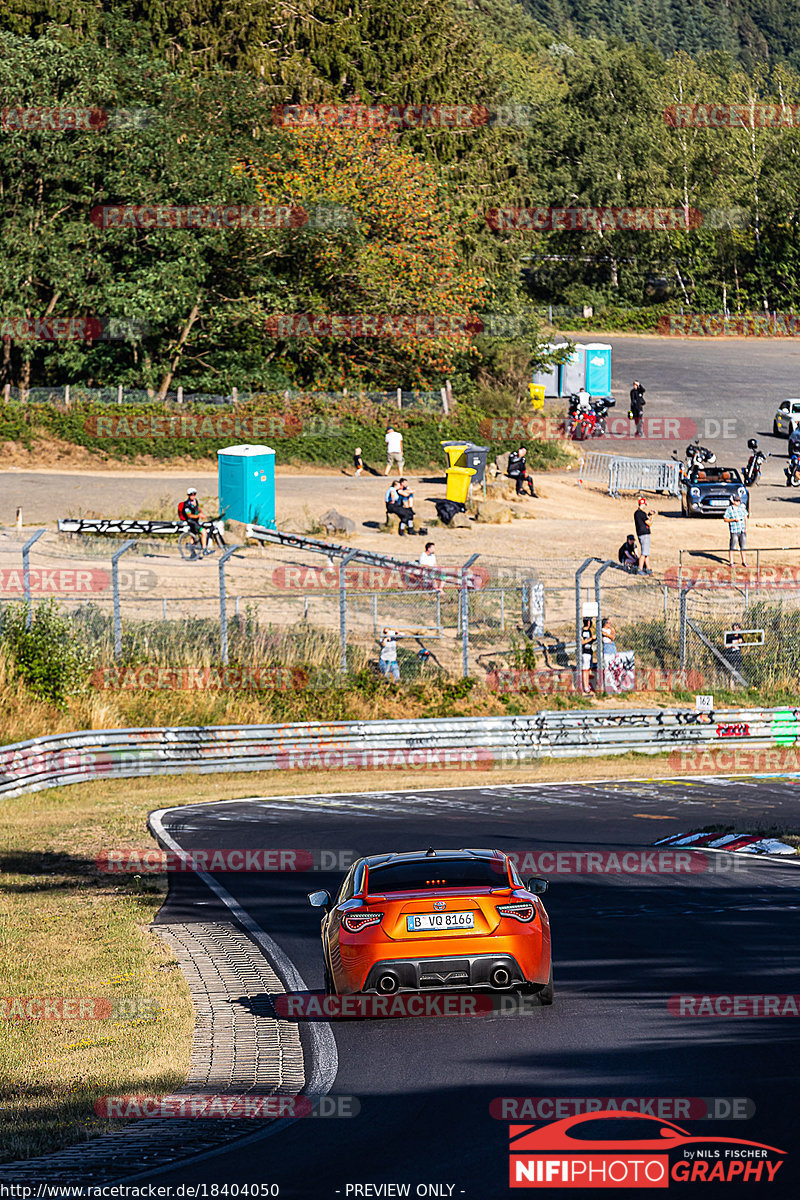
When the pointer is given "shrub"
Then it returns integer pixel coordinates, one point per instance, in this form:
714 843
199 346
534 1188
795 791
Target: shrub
47 657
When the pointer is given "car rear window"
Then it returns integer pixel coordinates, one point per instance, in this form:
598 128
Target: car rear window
438 873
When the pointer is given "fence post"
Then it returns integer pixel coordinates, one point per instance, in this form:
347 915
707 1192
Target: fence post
579 621
115 557
465 617
343 610
598 596
682 634
223 607
26 574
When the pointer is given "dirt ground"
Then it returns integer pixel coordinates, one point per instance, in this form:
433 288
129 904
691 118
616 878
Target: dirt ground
565 521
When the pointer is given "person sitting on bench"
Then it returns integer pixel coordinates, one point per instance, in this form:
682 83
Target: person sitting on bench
395 506
518 471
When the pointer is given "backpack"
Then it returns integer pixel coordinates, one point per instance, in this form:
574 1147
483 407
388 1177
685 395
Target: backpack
447 509
182 510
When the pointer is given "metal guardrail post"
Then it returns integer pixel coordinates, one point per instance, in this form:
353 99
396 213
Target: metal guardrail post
578 619
115 557
26 574
343 610
598 596
465 617
223 606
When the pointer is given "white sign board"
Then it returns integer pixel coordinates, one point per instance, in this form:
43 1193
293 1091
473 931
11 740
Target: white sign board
589 608
704 703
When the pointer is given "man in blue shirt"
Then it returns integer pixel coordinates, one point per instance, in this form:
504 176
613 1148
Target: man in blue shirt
735 517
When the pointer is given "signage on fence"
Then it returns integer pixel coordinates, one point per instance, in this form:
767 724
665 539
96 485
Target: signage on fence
704 704
739 638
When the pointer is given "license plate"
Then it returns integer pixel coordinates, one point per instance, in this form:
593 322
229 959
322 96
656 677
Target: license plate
435 922
719 503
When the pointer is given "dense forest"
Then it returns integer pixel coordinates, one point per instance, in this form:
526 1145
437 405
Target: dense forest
396 218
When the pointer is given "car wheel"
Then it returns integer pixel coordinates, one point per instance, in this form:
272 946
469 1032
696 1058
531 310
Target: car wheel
547 995
330 990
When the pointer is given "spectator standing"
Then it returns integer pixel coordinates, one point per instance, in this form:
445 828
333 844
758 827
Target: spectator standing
388 658
609 639
735 517
636 412
428 559
358 461
641 519
394 450
733 651
627 554
587 647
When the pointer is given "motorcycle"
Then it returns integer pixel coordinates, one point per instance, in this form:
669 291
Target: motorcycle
699 456
752 472
588 422
792 472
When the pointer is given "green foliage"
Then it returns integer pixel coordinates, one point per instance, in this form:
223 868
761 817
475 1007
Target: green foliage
47 657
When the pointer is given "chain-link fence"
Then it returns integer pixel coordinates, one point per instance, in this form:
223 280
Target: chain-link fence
516 626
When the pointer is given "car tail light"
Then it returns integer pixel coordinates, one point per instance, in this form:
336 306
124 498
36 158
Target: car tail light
354 922
524 910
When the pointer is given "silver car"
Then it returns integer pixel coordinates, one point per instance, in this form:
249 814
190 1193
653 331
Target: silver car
787 418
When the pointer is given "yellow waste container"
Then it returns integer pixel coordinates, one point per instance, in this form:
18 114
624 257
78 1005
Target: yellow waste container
456 453
458 481
537 394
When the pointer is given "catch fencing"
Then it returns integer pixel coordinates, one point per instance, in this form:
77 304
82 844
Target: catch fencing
69 394
465 743
514 626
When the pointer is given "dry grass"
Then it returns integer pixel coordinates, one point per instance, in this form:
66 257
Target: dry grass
68 931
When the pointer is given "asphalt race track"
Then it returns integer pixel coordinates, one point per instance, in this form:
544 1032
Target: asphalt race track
623 944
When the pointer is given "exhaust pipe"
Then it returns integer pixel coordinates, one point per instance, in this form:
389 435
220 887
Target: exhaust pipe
388 984
500 977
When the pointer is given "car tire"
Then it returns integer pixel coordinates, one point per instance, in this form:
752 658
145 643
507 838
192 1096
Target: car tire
328 984
547 995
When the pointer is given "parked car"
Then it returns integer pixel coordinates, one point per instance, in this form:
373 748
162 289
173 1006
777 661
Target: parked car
787 418
707 491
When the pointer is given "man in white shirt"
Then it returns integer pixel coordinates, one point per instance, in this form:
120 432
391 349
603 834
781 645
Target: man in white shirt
394 450
428 559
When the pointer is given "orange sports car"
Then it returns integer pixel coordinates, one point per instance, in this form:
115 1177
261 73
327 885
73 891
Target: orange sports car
436 919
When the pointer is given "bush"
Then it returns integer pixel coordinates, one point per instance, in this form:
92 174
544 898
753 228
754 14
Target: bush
48 657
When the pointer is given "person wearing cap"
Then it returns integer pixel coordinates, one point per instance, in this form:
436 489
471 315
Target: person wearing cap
189 511
735 517
641 520
388 658
627 555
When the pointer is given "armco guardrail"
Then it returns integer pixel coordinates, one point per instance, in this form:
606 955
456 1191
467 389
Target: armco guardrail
465 742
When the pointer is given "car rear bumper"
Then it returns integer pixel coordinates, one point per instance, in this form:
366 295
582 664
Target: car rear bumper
459 971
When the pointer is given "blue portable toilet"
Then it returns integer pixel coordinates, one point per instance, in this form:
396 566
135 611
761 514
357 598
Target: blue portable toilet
549 377
247 484
573 372
598 369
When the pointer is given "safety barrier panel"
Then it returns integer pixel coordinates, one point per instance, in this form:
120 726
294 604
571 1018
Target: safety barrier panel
466 743
620 474
644 475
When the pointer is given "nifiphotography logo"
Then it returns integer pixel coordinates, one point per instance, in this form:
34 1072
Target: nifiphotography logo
615 1149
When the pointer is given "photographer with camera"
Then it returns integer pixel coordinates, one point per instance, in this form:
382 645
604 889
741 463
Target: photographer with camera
641 520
